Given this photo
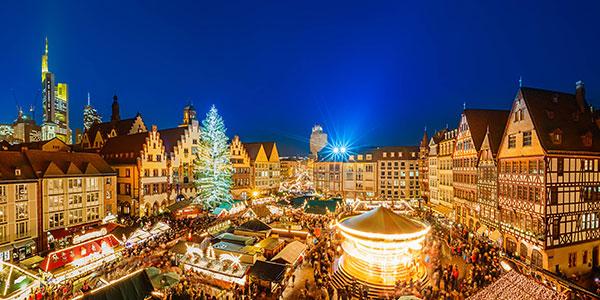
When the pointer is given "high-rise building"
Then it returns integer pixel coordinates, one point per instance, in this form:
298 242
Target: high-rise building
318 140
90 115
55 101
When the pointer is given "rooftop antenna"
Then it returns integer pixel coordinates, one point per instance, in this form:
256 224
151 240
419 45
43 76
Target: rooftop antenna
464 105
88 100
32 111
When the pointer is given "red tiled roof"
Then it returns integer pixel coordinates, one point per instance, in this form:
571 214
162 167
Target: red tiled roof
480 119
551 110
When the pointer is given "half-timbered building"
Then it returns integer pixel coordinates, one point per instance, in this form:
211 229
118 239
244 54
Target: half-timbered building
549 181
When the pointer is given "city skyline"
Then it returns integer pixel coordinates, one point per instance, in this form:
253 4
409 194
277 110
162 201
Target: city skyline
359 68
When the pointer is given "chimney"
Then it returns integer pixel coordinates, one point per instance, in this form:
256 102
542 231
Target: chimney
580 95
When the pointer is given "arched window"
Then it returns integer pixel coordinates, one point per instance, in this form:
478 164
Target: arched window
536 258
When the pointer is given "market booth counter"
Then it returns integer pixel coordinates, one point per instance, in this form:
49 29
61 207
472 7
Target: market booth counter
81 259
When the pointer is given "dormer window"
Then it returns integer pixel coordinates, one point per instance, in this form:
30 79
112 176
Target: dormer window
587 139
17 172
519 115
555 98
550 114
556 136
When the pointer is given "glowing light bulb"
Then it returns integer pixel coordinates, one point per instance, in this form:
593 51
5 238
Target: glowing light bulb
336 150
343 149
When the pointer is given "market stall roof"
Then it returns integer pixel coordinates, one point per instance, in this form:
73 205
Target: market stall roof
269 243
159 227
382 220
181 247
268 271
180 205
290 253
255 225
15 281
514 285
62 257
236 239
136 286
124 231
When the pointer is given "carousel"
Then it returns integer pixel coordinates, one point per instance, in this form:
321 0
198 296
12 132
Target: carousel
381 248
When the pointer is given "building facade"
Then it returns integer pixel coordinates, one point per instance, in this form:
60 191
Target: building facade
359 176
444 166
55 102
469 138
143 174
549 181
181 149
264 166
241 174
18 208
432 161
424 167
398 173
328 178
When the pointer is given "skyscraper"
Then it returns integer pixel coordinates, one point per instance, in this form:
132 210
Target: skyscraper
55 101
318 140
90 115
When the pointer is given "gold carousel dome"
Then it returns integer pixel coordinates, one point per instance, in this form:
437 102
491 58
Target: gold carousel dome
383 223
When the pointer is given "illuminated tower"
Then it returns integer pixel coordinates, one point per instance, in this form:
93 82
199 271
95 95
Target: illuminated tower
55 101
318 140
90 115
189 114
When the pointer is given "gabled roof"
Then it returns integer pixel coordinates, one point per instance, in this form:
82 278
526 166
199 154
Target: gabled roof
121 127
171 136
129 146
551 110
439 136
69 163
38 145
290 253
480 119
12 160
255 225
253 149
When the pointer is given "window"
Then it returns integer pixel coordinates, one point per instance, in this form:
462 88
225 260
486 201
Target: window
56 220
55 186
572 259
75 200
127 173
22 229
93 213
512 141
158 157
20 192
108 180
91 184
3 195
526 138
75 184
21 210
560 166
75 216
556 228
93 198
3 212
55 203
3 233
155 172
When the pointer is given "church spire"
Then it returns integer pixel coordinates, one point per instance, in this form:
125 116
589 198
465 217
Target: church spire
116 116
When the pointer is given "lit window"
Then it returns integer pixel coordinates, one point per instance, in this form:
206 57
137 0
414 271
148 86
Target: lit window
526 138
512 141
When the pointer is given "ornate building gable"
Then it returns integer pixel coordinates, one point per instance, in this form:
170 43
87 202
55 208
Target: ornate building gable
520 128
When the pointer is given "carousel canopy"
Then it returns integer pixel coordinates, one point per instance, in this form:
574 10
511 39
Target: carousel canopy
382 220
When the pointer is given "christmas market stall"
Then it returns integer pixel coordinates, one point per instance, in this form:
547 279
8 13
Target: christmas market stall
268 274
16 283
218 268
81 259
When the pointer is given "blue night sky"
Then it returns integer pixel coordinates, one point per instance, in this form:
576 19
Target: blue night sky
371 72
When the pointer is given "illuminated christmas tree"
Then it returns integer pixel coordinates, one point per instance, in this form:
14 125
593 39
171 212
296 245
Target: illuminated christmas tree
213 167
90 115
